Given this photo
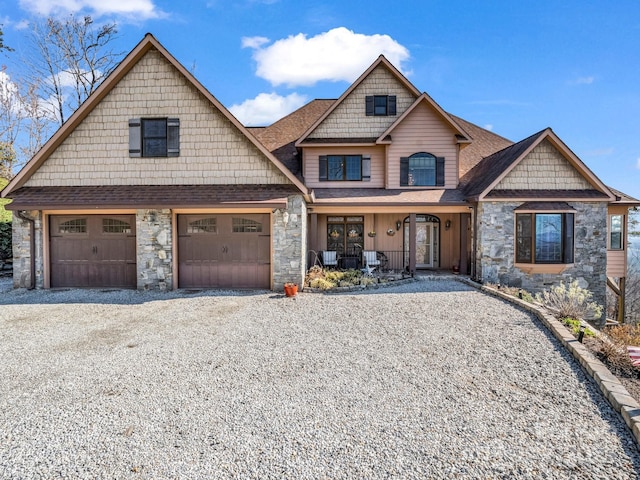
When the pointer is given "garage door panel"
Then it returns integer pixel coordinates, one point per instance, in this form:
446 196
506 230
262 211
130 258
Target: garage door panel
93 251
224 251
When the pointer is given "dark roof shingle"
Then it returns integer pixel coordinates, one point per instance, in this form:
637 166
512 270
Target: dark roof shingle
149 196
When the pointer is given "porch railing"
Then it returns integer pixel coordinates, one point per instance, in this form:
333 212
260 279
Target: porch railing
387 261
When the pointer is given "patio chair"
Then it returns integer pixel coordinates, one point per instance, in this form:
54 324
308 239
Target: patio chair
370 258
329 258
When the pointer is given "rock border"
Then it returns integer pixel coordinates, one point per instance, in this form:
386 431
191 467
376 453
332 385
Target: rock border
615 393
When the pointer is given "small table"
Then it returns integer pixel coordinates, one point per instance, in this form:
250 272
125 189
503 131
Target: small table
349 261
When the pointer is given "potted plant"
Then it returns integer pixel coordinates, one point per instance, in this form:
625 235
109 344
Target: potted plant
290 289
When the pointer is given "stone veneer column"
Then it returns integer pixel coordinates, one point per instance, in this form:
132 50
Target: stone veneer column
289 243
496 249
154 249
22 250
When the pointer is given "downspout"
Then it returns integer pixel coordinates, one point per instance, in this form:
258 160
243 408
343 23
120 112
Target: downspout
32 247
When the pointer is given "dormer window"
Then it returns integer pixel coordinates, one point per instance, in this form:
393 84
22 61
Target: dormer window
381 105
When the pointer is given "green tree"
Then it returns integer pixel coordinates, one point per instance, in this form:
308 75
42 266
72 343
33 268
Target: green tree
5 215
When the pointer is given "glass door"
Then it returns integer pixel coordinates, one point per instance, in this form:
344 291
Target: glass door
427 235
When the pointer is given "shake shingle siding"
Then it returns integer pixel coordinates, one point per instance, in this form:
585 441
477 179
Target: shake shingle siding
212 150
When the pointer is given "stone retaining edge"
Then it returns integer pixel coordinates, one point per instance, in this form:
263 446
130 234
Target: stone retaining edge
615 393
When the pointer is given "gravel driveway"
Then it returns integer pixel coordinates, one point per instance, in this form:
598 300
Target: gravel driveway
431 379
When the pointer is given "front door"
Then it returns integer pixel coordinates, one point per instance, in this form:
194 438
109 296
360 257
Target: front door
427 246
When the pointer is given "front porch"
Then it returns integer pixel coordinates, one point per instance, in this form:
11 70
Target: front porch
393 241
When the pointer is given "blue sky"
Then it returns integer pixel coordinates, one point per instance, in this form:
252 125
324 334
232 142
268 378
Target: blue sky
512 67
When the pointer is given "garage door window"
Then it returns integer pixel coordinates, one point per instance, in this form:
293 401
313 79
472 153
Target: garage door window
246 225
78 225
112 225
204 225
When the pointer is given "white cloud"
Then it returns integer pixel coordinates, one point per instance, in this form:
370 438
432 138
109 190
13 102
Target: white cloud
339 54
638 164
488 126
254 42
582 80
139 9
266 108
601 152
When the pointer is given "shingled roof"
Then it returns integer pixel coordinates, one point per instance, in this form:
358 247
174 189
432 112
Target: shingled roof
484 143
486 171
280 137
150 196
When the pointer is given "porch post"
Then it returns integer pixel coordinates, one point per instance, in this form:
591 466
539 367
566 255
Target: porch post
621 300
313 232
465 219
412 243
312 239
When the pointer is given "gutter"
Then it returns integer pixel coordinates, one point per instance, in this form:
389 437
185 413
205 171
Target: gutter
32 246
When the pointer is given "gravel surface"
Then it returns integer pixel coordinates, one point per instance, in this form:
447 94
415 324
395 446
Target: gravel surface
431 379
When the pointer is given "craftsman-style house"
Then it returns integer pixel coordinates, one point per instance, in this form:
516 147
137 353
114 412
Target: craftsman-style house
153 184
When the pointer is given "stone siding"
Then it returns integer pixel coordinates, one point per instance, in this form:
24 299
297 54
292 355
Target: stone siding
495 249
154 249
289 243
212 149
349 119
21 238
544 168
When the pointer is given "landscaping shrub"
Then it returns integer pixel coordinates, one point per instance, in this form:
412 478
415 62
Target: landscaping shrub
574 325
570 301
615 350
6 250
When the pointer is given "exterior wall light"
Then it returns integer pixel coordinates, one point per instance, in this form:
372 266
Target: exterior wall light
447 225
398 224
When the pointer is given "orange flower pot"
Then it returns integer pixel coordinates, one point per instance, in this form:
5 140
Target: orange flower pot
290 289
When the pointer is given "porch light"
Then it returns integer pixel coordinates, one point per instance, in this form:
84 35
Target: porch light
447 225
398 224
581 333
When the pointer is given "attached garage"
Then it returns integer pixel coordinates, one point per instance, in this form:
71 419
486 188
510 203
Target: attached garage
92 251
224 251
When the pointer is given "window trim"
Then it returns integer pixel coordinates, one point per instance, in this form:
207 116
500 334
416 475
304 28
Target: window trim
405 166
390 109
568 219
365 168
136 137
611 232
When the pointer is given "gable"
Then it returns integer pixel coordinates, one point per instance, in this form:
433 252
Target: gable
423 130
544 168
212 149
349 119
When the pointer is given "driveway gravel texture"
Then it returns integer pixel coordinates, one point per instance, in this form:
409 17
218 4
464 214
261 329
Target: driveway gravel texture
430 379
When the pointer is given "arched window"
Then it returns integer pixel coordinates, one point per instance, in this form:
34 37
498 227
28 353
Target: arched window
422 169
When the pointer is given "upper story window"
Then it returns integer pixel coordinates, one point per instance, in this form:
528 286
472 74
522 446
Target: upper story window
380 105
345 168
616 232
422 169
544 237
154 137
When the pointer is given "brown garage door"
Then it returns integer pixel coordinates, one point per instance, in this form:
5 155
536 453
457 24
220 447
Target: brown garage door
224 251
93 250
